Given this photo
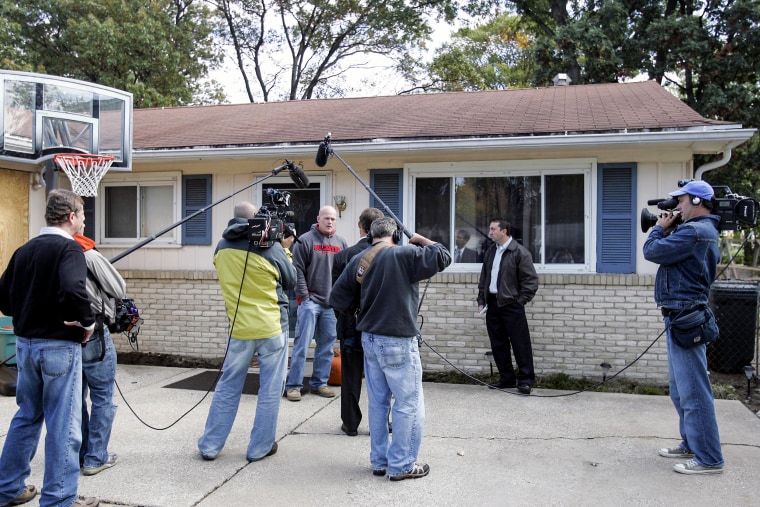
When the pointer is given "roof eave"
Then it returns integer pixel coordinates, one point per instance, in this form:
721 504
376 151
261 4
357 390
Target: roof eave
702 140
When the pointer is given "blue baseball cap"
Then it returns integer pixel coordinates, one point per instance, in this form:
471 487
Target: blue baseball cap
697 188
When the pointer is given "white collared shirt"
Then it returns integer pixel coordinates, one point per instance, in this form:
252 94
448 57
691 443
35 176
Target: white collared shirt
493 288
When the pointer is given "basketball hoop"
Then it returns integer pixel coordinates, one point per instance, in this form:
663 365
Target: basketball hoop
84 171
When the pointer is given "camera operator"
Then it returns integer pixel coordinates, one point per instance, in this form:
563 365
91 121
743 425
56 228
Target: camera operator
688 256
253 280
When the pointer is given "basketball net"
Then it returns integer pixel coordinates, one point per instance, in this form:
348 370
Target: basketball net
84 171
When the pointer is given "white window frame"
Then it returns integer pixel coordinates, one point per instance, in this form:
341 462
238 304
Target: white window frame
172 238
515 168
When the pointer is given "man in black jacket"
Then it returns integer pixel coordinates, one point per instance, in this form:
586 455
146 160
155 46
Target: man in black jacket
43 289
508 281
351 352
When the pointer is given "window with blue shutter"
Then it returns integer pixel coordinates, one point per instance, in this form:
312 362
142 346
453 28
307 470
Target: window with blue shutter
617 223
386 183
196 195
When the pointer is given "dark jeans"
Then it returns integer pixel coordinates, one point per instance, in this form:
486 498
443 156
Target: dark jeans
508 331
351 369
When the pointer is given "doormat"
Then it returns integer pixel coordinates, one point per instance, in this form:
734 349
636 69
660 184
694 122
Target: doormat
206 381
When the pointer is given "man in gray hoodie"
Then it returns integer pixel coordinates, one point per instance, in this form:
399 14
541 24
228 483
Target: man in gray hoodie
313 259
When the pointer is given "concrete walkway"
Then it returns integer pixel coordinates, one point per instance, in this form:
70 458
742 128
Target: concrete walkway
484 448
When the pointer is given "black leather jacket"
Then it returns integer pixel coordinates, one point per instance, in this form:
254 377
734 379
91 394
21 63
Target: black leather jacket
517 280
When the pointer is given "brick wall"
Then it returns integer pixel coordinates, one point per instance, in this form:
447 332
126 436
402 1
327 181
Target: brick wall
576 322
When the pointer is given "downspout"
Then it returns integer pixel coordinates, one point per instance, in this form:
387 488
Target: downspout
717 163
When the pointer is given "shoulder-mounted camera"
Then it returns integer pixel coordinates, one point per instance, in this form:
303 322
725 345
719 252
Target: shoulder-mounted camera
269 225
734 210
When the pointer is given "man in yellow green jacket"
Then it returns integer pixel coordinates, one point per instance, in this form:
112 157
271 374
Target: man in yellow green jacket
253 281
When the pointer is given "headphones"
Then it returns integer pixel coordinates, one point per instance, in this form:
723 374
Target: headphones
695 200
397 236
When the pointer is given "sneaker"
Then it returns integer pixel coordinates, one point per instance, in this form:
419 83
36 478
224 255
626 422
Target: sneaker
691 467
27 495
417 471
294 395
90 501
324 392
675 452
379 472
97 469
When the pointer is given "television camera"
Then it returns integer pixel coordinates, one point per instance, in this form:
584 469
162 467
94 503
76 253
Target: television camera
269 224
734 210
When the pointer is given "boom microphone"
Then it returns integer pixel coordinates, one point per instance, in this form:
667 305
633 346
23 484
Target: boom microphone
323 152
298 176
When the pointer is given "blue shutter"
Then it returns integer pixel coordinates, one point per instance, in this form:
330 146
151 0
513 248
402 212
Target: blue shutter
196 194
89 217
617 225
386 183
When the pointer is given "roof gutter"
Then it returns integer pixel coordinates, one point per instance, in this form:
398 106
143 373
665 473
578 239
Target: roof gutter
732 136
717 163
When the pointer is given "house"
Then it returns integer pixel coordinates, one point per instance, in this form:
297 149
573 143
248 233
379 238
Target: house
570 166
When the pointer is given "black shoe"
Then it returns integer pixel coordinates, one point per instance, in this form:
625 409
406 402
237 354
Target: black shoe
502 384
271 452
350 433
524 388
380 472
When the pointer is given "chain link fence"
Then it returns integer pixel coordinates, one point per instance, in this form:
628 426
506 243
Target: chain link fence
735 303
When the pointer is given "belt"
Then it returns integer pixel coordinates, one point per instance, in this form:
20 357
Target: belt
667 311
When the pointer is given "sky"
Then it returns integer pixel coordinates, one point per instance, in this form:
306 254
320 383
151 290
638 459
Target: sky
374 81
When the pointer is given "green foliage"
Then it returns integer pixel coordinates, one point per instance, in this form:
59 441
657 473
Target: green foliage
495 55
725 392
159 50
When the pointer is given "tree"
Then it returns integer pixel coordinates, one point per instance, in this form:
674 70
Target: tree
495 55
158 50
302 49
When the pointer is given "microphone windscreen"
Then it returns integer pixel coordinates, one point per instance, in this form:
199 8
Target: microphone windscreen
322 153
299 177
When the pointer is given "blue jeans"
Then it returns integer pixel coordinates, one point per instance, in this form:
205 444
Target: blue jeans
392 367
692 396
273 363
49 389
98 377
318 322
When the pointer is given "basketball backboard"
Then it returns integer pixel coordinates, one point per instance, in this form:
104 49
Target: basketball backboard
44 115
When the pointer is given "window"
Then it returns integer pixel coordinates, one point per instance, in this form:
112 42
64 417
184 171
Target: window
136 207
547 204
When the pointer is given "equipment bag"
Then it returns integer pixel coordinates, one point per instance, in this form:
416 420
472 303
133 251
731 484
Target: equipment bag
693 327
126 316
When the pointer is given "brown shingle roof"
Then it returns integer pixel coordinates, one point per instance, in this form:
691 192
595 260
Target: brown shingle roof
534 111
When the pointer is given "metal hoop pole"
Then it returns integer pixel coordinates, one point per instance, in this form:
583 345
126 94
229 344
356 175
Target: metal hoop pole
144 242
385 207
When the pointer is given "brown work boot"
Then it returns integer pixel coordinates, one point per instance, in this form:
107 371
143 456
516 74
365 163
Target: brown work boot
27 495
